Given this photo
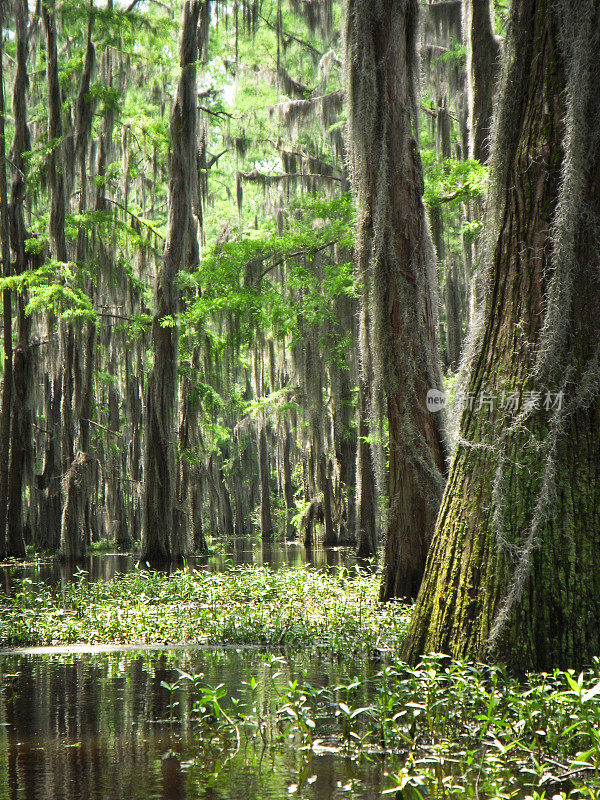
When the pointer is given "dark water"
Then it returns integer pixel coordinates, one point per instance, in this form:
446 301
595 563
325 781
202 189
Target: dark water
104 566
98 726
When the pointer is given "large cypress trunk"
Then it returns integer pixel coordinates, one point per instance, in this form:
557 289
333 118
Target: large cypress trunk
512 570
162 536
394 245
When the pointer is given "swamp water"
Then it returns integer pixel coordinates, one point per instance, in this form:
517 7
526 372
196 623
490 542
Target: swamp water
99 724
237 552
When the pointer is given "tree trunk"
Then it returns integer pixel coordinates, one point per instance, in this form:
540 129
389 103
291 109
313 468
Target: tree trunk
21 442
366 516
288 490
118 530
483 64
7 387
366 486
58 242
7 383
161 534
511 574
330 538
266 519
453 327
48 511
78 365
57 456
395 245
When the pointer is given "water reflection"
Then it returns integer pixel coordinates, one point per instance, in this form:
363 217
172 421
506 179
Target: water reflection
100 727
106 566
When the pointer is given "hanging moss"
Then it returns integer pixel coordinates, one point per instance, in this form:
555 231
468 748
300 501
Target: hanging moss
511 572
325 109
288 85
394 250
442 22
165 531
318 14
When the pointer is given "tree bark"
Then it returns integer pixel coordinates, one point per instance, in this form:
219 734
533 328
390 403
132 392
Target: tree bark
394 245
366 485
264 477
288 491
453 326
511 574
57 457
366 502
483 64
78 368
21 441
7 383
162 537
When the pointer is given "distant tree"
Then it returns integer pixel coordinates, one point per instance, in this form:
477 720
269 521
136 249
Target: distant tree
483 64
21 438
7 382
513 569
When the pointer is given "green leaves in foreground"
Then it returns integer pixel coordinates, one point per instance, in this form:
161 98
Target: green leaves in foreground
445 728
291 607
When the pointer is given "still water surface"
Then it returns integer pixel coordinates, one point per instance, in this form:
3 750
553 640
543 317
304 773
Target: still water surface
238 552
99 726
87 724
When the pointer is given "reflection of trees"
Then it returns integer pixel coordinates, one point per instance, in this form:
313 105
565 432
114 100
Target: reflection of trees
98 726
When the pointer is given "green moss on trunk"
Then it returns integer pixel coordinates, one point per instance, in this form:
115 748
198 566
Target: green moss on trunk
511 573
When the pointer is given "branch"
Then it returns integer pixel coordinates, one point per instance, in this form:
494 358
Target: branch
297 253
214 159
302 155
135 216
297 39
104 428
217 113
447 198
14 166
255 175
113 316
434 113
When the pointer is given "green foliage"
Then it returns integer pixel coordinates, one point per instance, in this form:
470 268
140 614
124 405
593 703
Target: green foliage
238 276
337 612
471 230
446 728
53 288
452 181
456 54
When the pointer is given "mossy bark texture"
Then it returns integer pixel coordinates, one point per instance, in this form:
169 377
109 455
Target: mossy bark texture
164 528
512 573
395 256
